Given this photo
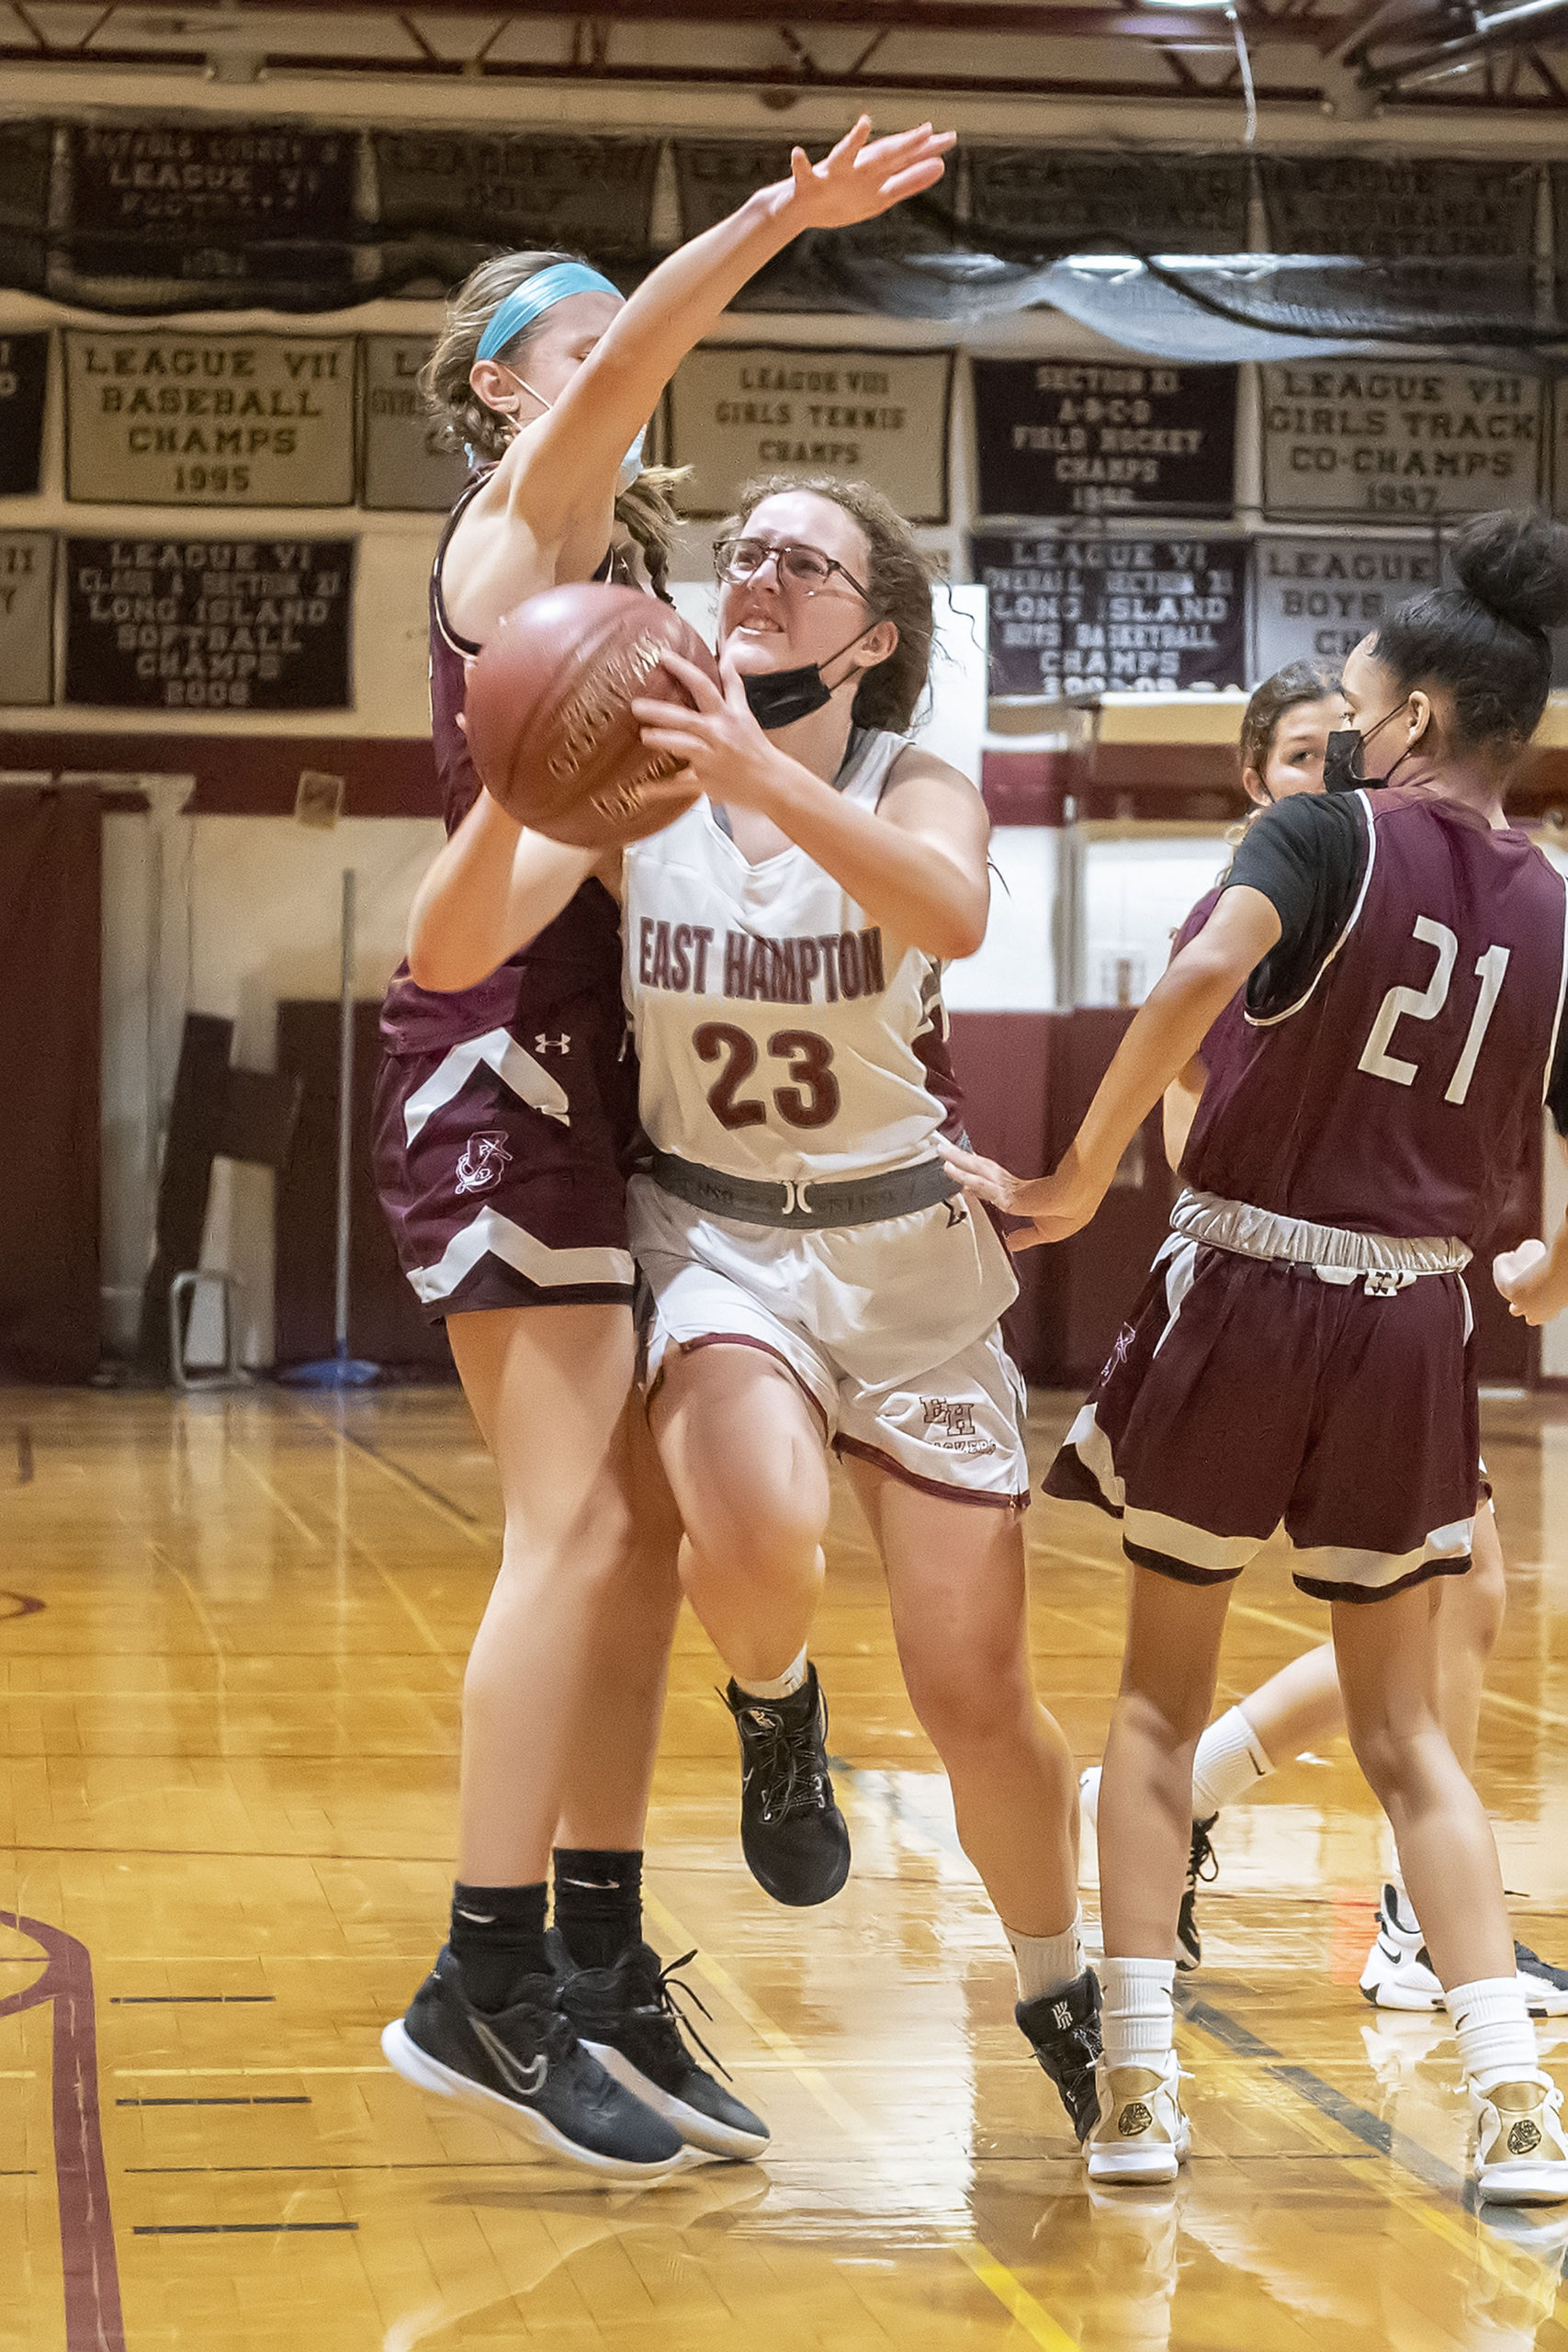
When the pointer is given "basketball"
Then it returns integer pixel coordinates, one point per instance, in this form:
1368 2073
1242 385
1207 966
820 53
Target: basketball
549 717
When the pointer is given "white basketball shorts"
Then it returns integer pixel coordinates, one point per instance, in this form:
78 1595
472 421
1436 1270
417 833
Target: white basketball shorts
954 1428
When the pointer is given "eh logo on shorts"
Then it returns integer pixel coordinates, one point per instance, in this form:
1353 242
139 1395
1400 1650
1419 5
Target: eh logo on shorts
483 1157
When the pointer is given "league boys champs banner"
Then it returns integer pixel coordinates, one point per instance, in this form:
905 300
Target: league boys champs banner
405 465
1315 598
1392 438
198 420
1095 614
1071 436
27 617
736 411
163 624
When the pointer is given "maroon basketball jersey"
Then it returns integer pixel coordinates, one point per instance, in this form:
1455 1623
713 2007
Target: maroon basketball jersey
1228 1029
1400 1093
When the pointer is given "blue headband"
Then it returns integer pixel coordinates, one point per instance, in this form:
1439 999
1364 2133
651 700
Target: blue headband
533 296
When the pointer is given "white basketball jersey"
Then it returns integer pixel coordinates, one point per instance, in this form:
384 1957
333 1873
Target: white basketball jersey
782 1034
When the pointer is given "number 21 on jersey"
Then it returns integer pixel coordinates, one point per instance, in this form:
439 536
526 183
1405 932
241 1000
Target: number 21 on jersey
1424 1004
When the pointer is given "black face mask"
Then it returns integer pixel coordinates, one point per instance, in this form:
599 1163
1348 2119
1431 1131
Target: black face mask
778 697
1344 768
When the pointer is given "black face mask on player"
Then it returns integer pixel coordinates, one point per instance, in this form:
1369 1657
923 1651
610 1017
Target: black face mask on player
1344 768
778 697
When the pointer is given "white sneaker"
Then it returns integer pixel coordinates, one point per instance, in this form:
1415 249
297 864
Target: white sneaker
1399 1976
1521 2156
1142 2134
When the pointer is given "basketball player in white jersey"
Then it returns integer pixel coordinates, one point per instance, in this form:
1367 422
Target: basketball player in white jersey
815 1278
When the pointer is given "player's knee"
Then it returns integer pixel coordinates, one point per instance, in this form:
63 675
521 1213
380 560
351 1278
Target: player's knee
966 1701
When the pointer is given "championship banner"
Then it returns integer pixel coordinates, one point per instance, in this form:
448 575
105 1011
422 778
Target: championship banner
738 409
24 377
1315 598
1398 438
1400 209
231 213
27 617
167 419
405 467
162 624
1104 436
1054 200
518 192
1096 614
27 162
831 269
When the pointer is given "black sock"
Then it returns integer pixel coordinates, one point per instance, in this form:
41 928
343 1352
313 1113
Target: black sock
498 1937
598 1903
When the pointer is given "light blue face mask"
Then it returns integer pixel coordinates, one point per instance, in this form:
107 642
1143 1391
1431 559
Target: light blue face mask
530 302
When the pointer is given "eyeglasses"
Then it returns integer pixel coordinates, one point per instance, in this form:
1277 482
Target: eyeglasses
737 559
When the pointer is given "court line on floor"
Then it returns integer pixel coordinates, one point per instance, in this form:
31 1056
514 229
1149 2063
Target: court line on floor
1022 2307
278 1501
466 1522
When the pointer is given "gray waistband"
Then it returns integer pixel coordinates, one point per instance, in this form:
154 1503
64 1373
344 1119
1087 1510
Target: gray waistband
1264 1233
805 1207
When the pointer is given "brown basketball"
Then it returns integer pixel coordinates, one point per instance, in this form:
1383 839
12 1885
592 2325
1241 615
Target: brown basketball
548 710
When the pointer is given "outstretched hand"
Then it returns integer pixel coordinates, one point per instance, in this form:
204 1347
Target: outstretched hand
1056 1205
721 749
863 177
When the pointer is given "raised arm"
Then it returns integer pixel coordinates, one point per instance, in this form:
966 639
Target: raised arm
559 470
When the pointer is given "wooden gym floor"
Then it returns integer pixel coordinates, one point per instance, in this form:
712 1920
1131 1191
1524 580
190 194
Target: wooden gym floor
231 1638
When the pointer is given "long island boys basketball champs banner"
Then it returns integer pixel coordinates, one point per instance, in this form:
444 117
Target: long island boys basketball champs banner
1079 616
162 624
736 411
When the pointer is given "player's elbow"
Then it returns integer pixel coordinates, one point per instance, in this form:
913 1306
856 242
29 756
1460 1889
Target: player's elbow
437 964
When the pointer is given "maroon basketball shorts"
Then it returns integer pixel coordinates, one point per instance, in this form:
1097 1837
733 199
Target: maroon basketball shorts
1248 1394
498 1159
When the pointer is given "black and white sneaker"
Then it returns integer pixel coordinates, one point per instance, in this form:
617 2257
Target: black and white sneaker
796 1842
525 2068
1064 2028
626 2016
1202 1866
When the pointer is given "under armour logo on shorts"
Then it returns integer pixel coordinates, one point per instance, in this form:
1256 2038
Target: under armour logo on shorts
483 1157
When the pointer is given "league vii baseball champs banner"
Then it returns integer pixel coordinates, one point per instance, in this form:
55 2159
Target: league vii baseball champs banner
171 419
1113 436
166 624
1093 614
737 410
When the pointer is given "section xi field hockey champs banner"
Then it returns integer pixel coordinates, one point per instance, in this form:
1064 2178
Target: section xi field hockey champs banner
24 373
405 465
1069 437
1398 437
1085 616
27 617
165 623
196 419
741 410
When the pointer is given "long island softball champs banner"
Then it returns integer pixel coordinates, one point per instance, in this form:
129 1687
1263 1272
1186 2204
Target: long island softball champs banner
27 617
1096 614
1315 598
171 419
163 624
739 409
1391 438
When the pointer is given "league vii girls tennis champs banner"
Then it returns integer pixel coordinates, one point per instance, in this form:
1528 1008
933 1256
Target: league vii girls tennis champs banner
739 410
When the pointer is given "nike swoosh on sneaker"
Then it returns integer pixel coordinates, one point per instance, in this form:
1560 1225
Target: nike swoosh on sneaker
529 2081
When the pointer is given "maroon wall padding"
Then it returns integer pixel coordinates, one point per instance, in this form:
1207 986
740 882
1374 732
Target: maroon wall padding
242 775
51 867
385 1325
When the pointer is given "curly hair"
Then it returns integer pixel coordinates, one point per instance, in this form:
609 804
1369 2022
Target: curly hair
464 421
898 577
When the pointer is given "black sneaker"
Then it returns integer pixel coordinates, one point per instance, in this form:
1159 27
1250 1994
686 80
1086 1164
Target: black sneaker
796 1842
1064 2031
627 2018
1202 1863
526 2069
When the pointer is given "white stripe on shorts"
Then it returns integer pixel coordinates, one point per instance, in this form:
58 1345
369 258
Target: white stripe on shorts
500 1051
550 1268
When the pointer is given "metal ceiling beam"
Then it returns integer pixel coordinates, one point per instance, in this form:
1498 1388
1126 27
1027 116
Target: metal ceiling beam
1508 28
1023 19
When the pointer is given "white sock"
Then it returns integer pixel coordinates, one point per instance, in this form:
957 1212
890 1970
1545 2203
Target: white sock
1230 1759
1138 2021
1496 2039
782 1686
1046 1964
